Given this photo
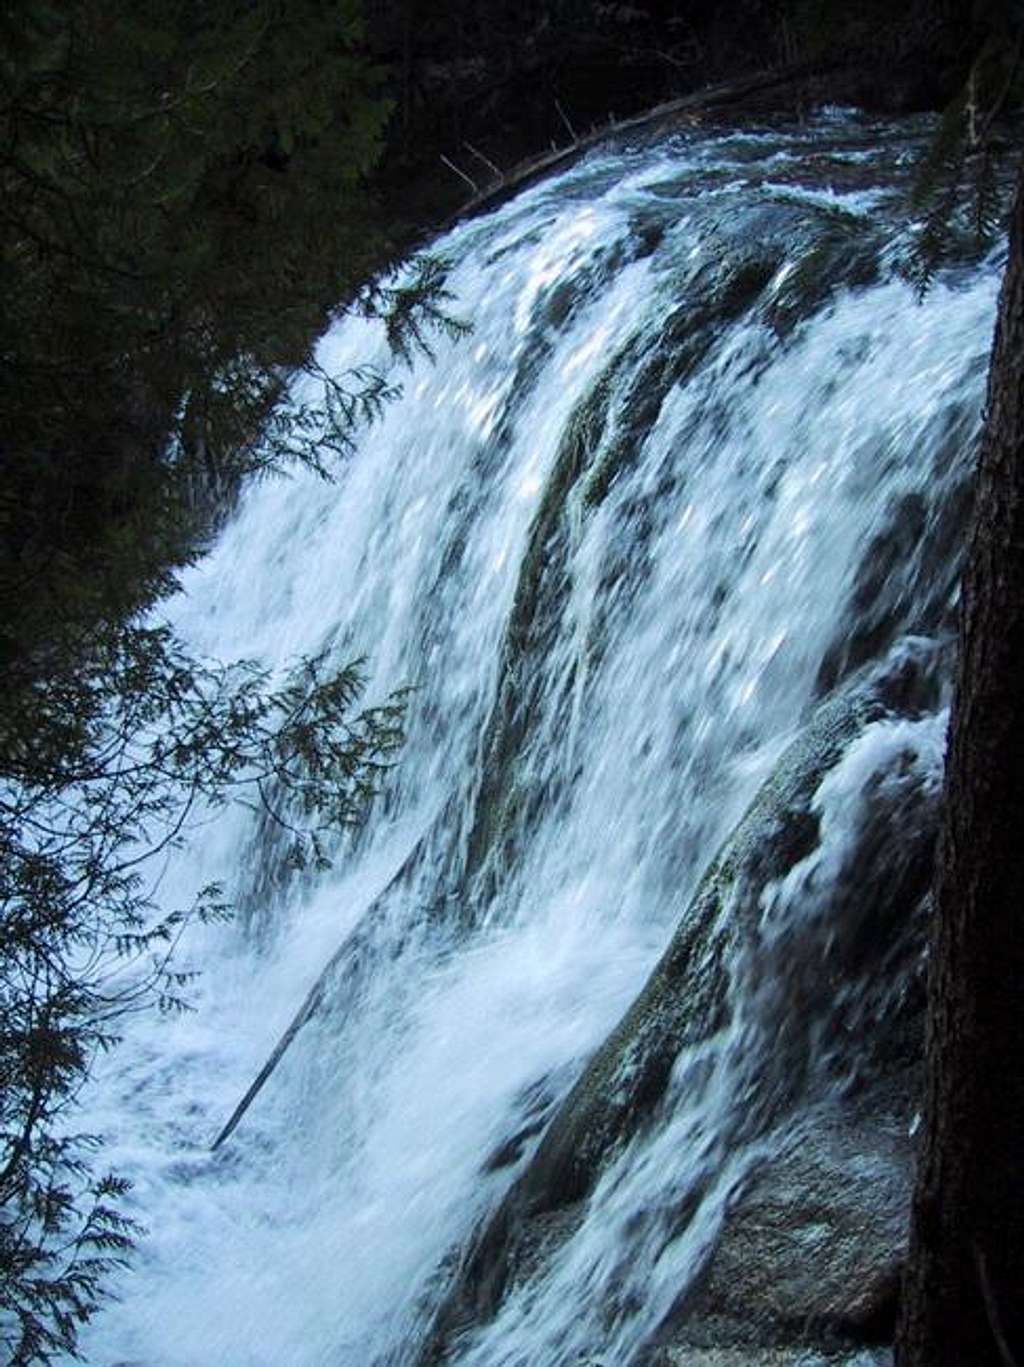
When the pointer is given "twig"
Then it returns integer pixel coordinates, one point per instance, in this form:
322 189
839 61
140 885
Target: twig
486 160
461 174
684 63
565 120
347 950
308 1009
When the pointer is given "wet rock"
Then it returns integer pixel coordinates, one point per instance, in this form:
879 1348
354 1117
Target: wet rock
685 999
770 1357
813 1250
820 1198
910 568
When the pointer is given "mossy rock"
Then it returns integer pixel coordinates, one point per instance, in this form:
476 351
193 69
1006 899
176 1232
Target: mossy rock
732 274
683 1003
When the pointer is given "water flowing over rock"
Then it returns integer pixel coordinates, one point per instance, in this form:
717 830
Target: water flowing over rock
791 994
608 1028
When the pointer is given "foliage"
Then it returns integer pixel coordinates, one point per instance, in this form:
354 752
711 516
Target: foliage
152 155
147 736
957 193
183 207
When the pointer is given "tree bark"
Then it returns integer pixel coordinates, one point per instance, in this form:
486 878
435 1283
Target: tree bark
963 1300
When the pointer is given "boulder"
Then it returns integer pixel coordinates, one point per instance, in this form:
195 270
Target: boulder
771 1357
818 1011
812 1251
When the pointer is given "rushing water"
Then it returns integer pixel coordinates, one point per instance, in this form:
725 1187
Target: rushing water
702 455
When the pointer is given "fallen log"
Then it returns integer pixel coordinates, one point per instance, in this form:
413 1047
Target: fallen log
685 109
347 951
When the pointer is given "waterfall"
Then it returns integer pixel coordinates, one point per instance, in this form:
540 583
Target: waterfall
701 463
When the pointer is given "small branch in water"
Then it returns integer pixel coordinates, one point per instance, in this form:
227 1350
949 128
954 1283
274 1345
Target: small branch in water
308 1009
347 950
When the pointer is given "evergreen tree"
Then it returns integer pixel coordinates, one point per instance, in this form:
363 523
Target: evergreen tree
961 1301
149 734
961 1298
183 206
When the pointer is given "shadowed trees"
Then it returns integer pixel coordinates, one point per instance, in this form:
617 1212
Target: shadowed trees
182 209
962 1301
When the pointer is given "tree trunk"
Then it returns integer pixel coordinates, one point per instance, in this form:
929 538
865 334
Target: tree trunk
963 1302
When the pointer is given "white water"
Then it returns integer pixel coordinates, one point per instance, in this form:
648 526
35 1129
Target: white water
700 600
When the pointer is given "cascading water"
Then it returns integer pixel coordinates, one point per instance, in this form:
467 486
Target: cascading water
702 458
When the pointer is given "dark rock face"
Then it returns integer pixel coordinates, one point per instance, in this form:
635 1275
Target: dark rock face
771 1357
811 1251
